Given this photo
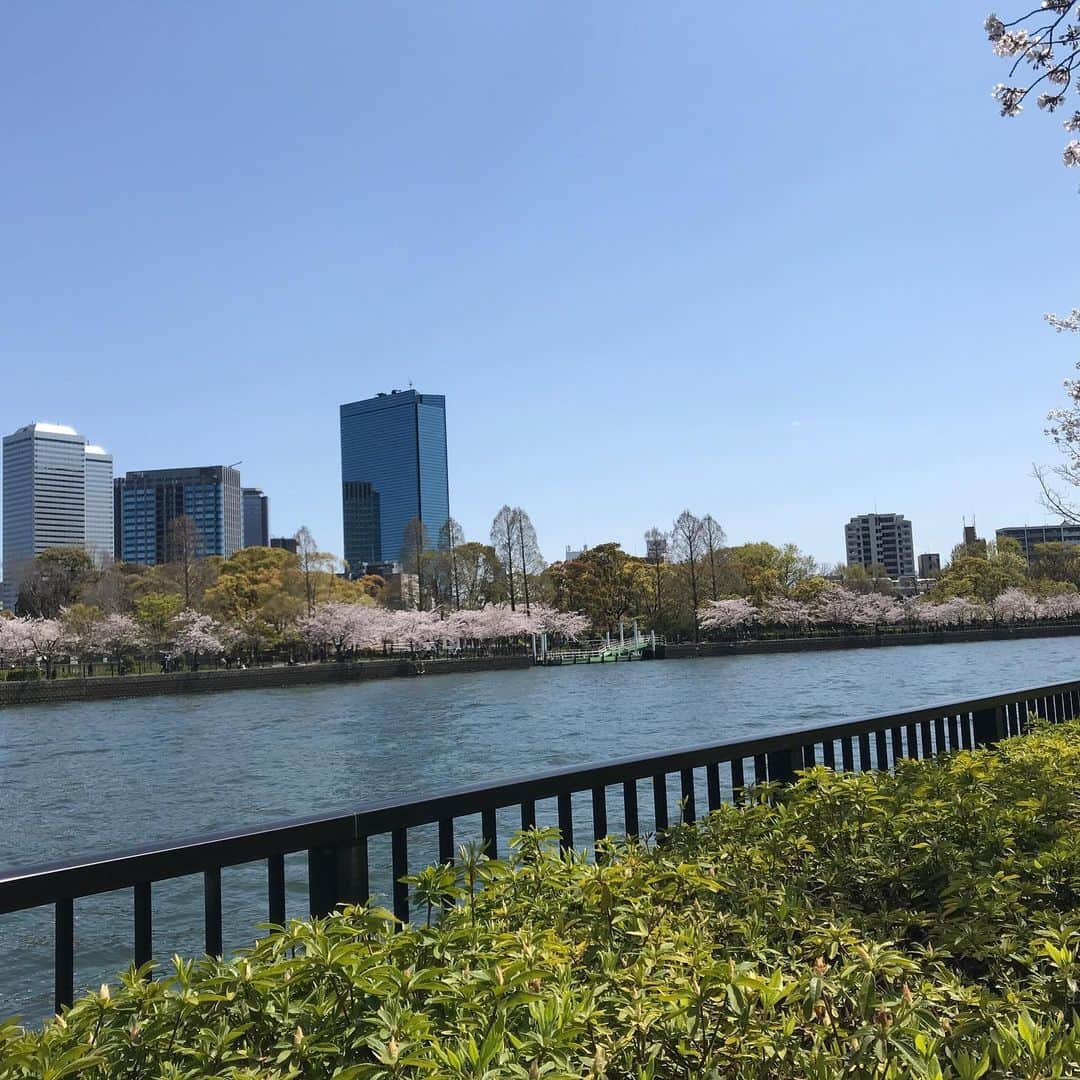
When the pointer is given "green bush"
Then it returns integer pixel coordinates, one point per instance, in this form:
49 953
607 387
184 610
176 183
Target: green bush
925 924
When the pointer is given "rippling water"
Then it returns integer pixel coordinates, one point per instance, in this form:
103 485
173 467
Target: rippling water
88 778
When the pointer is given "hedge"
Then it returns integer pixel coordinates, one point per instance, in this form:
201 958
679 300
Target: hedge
922 924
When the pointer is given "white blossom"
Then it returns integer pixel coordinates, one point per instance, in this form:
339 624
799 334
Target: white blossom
117 634
1013 605
726 614
196 634
16 645
1009 98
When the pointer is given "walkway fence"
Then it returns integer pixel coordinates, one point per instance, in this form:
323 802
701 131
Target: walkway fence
625 797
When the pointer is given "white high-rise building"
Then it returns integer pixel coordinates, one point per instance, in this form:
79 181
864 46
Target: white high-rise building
881 540
57 493
99 504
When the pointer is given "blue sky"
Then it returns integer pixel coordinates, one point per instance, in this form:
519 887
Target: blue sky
778 263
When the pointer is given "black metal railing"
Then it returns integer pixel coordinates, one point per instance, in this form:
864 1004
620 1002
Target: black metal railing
337 845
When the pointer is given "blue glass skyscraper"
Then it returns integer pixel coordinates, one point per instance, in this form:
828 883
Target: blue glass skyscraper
393 469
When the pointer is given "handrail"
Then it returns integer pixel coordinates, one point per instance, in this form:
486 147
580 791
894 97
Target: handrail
336 843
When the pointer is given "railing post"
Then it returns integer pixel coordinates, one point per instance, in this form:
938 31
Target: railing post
783 764
64 950
989 726
323 891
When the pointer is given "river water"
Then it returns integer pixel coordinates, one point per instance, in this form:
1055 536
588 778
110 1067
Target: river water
79 779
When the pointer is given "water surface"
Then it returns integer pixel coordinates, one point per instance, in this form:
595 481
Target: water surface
92 777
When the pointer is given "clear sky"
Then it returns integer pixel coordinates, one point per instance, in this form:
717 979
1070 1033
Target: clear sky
780 262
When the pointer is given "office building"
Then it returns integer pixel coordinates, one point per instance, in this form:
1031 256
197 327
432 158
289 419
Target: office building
286 542
929 564
881 540
57 493
1028 536
148 502
99 504
393 469
256 527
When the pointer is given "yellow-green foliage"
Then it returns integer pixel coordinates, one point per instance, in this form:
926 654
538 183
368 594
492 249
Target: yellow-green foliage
925 924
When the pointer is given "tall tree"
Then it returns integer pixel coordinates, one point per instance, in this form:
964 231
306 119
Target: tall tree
503 537
183 544
314 564
480 575
712 540
686 546
451 537
530 561
414 551
656 552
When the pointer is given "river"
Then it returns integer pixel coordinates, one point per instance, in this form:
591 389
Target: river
92 777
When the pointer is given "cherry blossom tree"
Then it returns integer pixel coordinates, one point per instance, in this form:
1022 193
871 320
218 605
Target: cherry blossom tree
557 624
1012 606
1044 46
196 635
329 625
838 607
1059 606
49 640
16 646
119 636
876 610
726 615
782 611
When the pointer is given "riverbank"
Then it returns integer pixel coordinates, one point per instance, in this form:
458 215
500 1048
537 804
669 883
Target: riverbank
754 646
102 687
105 687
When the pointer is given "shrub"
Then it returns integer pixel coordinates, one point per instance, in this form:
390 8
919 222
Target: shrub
922 924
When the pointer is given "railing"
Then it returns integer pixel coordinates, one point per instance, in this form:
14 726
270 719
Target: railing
337 845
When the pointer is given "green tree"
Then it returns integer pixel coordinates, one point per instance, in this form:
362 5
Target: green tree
1056 562
155 613
480 575
79 622
256 593
604 583
757 570
983 577
56 578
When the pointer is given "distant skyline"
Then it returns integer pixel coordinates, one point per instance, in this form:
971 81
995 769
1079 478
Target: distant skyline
644 279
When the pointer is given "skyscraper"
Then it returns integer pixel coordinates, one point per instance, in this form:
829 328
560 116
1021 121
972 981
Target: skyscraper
57 493
256 518
149 501
99 503
881 540
393 469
